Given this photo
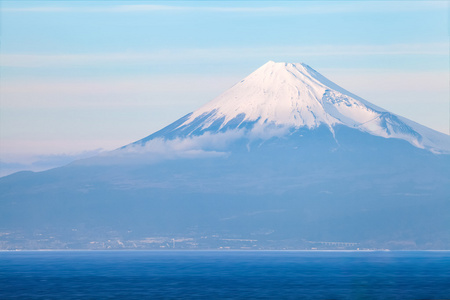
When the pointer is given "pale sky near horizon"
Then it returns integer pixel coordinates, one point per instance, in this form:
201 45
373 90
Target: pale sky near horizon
79 76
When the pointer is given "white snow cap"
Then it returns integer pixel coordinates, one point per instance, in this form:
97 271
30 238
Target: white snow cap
295 95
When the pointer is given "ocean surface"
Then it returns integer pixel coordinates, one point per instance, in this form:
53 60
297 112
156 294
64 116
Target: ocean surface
224 275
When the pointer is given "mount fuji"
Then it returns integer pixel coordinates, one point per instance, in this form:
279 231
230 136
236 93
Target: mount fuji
284 159
293 96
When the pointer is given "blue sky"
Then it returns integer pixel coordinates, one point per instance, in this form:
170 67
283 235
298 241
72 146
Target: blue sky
80 76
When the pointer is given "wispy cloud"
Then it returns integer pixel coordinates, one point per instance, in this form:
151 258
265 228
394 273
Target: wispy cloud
207 145
149 8
156 150
308 8
202 146
204 54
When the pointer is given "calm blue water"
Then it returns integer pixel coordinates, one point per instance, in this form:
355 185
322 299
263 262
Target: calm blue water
220 274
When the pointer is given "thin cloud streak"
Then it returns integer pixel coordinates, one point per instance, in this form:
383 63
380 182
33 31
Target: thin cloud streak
328 8
158 8
55 60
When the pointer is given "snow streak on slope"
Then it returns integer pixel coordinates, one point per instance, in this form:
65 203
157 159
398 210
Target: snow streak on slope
293 96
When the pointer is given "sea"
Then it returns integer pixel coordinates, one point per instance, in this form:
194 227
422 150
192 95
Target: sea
224 275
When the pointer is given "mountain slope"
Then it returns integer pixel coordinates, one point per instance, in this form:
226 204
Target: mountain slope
285 159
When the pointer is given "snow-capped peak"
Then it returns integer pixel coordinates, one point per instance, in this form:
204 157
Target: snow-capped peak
295 95
289 94
278 93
